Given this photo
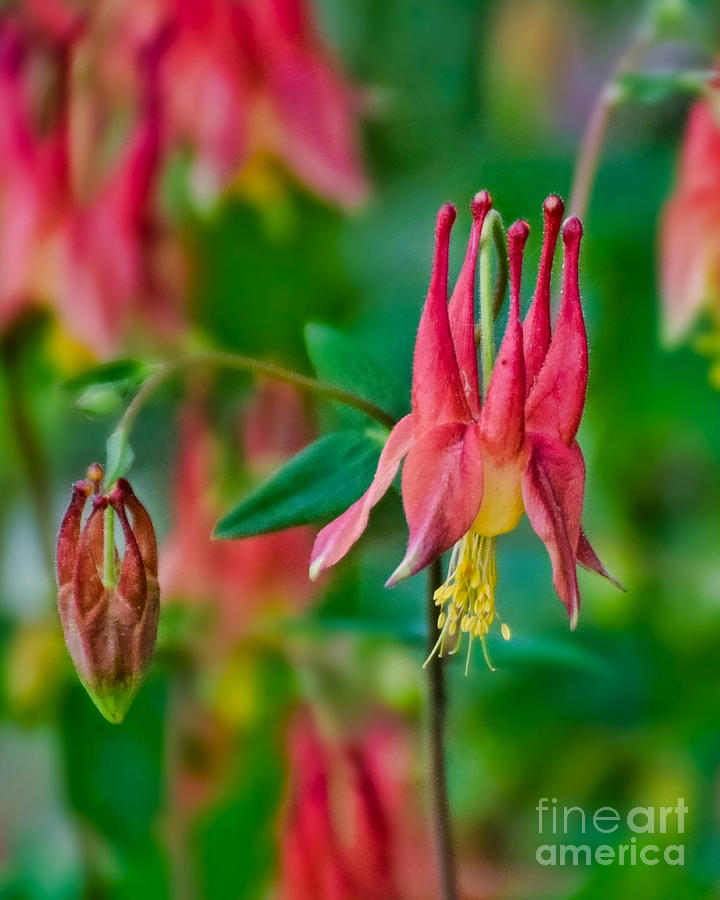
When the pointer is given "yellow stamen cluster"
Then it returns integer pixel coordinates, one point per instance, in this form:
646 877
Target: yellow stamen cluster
467 598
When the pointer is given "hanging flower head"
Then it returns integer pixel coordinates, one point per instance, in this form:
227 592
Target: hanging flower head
108 607
690 236
245 82
349 832
473 465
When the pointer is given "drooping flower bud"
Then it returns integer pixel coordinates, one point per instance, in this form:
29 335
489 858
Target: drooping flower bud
108 605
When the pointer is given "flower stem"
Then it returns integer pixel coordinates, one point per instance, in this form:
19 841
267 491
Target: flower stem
442 825
254 367
595 131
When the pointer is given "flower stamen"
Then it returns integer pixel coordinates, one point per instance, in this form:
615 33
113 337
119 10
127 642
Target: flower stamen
467 598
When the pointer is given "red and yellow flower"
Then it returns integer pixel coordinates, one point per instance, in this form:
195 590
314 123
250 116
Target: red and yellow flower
474 464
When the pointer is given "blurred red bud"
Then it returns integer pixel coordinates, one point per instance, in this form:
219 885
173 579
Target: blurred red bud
108 606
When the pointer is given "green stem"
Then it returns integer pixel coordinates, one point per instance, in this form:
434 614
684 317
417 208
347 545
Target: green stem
254 367
489 298
442 824
596 129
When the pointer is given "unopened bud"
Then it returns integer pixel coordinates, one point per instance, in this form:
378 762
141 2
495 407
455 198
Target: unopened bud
108 606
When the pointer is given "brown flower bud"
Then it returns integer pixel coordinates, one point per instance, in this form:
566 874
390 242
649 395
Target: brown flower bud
108 606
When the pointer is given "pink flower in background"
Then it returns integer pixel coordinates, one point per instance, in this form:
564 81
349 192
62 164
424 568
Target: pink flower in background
58 19
236 579
91 256
207 86
352 829
475 465
109 272
690 234
33 181
243 79
311 110
80 227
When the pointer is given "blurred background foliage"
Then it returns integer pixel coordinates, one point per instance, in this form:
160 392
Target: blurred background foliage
460 95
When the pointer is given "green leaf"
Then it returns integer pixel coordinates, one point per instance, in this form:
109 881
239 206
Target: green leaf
99 400
121 373
120 456
660 85
340 361
102 389
319 483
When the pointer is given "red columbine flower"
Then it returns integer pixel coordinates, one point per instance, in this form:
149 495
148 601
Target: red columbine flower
474 466
109 617
690 236
351 830
244 81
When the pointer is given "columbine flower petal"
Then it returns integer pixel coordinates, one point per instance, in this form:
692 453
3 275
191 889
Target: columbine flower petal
502 422
335 539
536 327
589 560
437 393
553 489
557 399
442 489
462 308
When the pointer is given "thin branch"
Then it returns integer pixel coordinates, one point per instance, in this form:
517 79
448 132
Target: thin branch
442 824
254 367
596 129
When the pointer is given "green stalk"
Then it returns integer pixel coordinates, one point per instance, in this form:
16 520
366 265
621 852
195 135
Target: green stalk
437 703
254 367
608 99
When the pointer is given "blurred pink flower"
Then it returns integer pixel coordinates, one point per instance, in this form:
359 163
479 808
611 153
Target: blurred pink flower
690 233
108 273
91 256
80 230
236 578
311 110
111 271
32 181
352 828
243 79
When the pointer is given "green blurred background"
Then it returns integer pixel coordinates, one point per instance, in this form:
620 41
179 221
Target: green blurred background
624 712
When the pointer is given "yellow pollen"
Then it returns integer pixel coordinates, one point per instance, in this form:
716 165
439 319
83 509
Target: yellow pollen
467 598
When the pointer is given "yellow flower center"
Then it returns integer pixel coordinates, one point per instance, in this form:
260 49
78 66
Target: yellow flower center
467 598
